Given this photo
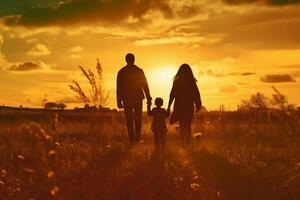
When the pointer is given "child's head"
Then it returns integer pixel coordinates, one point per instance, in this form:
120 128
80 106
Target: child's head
159 102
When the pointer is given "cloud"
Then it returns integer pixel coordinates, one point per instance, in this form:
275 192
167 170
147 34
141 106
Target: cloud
179 40
220 74
277 78
242 83
210 72
74 56
248 74
35 13
253 26
228 89
39 50
2 57
1 40
269 2
296 74
29 66
76 49
74 52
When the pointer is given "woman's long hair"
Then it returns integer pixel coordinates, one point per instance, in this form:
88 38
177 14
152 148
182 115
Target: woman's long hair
185 74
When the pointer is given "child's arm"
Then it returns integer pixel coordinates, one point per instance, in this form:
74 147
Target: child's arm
167 113
149 111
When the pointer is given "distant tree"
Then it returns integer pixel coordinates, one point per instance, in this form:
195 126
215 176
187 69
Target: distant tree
222 108
203 109
257 101
280 101
52 105
61 106
44 100
98 96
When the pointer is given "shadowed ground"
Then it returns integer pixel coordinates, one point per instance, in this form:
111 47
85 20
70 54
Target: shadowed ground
61 159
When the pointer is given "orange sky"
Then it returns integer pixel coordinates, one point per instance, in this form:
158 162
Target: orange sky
236 48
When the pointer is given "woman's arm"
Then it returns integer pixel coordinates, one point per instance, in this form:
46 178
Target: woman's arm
197 99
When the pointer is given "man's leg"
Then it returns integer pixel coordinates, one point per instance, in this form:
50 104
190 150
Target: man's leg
128 110
138 111
163 138
156 139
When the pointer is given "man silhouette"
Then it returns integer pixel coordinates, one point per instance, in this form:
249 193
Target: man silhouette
132 87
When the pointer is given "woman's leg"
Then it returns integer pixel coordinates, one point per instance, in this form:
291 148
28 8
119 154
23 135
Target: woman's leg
188 132
182 132
185 132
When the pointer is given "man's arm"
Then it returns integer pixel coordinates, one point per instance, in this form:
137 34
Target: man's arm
172 97
119 91
146 88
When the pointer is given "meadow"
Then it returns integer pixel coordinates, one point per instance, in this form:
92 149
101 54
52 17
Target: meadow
85 155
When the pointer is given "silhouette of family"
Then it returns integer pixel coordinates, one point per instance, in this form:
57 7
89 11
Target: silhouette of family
132 88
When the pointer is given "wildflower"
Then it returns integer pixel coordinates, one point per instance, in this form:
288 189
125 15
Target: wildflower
54 190
57 143
186 163
297 166
218 194
55 119
198 135
47 137
195 186
51 153
31 171
3 172
50 174
195 178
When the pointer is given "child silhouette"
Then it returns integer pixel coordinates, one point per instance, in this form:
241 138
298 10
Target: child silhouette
158 127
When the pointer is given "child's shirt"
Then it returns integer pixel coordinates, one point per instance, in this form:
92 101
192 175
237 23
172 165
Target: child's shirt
159 122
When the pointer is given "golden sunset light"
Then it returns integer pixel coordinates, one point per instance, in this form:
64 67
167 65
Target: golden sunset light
236 48
150 99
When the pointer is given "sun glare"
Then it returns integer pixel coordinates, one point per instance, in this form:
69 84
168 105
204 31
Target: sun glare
160 80
162 76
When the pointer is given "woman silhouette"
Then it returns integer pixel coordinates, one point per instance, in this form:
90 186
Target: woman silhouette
186 95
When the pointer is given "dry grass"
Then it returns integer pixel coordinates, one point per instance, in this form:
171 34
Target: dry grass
70 155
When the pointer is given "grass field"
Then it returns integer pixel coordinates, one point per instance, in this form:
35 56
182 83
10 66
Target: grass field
85 155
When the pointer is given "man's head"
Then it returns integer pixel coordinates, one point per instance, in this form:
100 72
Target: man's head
130 59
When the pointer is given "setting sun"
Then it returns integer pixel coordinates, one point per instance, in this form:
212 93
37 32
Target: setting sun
163 75
161 79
